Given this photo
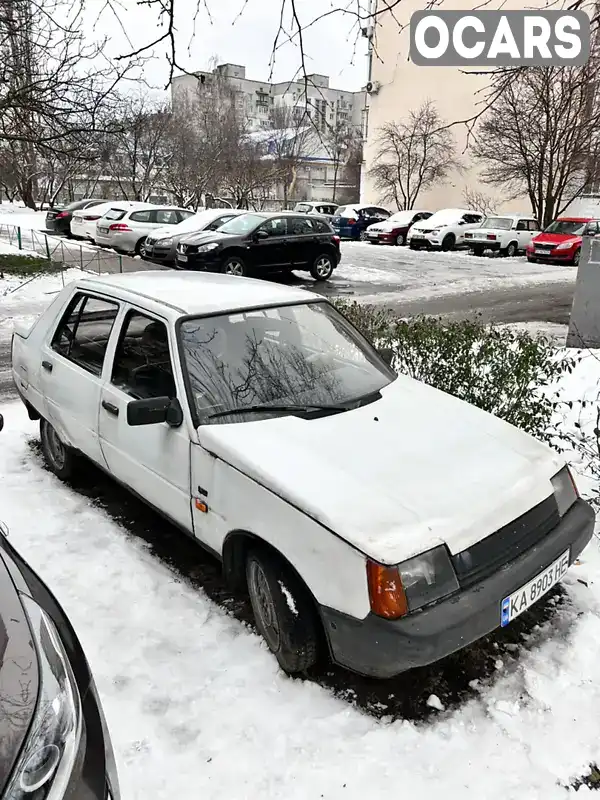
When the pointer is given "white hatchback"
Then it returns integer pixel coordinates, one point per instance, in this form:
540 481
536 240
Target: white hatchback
83 222
368 516
444 230
509 234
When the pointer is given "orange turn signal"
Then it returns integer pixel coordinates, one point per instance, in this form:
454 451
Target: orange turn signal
201 506
386 592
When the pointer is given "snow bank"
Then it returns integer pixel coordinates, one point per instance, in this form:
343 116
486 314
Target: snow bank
198 708
15 214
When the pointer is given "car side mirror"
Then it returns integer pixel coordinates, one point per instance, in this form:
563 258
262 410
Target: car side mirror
260 235
387 354
154 410
462 222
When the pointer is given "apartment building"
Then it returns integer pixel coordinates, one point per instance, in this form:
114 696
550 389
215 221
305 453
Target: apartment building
257 99
400 86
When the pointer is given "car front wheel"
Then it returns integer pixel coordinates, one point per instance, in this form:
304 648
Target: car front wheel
234 265
512 250
576 257
57 455
448 242
283 610
400 239
322 268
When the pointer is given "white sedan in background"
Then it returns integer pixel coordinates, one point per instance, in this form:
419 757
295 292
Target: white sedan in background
83 222
508 234
445 230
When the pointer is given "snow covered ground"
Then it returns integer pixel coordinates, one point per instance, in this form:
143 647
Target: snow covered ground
197 706
421 274
15 214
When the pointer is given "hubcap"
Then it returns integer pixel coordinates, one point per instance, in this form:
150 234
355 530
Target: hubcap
323 267
511 250
576 259
55 447
363 236
400 240
264 606
234 268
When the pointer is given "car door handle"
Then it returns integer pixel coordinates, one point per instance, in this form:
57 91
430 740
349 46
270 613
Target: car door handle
47 365
112 409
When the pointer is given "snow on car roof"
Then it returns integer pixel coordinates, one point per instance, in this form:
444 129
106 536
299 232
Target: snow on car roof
196 293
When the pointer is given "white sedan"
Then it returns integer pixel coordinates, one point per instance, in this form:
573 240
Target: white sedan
369 516
509 234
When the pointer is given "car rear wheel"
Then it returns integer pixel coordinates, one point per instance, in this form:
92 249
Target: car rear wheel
322 268
57 455
234 265
448 242
512 250
400 239
283 610
363 236
576 257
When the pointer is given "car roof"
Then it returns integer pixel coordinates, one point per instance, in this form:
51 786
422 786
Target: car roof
181 293
576 219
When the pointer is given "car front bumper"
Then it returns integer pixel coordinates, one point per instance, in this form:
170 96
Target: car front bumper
428 240
553 257
159 255
203 262
382 648
382 238
477 244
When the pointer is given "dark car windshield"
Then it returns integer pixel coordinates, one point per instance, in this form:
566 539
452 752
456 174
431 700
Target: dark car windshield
304 354
575 227
243 224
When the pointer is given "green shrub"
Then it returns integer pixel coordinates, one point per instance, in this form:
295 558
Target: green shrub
25 266
503 371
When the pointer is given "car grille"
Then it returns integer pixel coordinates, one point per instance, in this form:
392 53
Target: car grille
488 556
543 248
424 230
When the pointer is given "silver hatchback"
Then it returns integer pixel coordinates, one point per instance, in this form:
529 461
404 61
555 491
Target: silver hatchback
126 230
161 245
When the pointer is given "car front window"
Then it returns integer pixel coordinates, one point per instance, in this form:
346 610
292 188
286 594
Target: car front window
301 355
243 224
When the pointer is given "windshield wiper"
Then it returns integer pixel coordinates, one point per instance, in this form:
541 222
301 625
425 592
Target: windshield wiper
284 409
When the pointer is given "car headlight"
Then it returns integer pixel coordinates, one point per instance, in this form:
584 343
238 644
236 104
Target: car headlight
565 490
165 242
46 762
396 591
564 246
206 248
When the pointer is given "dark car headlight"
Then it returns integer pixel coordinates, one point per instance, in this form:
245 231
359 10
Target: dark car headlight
46 762
395 591
565 490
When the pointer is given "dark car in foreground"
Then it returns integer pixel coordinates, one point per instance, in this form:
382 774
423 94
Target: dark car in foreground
58 220
258 243
54 742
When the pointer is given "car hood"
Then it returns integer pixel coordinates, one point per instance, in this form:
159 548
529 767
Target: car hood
388 227
19 676
204 237
556 238
412 470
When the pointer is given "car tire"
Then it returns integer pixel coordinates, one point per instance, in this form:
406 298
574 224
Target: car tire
363 236
234 265
576 257
400 240
448 242
58 457
511 250
139 246
322 267
478 250
284 611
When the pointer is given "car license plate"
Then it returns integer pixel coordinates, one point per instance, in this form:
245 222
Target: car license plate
182 258
518 602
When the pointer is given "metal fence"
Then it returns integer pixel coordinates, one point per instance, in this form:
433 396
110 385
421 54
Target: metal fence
65 254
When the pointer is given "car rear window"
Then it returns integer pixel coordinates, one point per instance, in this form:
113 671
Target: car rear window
303 208
115 213
500 223
143 216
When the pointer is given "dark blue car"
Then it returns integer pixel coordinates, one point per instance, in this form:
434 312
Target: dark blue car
351 222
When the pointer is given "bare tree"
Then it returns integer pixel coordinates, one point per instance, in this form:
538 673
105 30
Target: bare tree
339 141
542 138
412 155
138 149
291 140
478 201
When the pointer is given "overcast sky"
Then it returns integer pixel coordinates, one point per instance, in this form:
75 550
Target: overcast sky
222 32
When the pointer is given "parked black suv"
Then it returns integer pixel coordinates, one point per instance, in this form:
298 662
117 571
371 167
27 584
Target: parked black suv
255 243
53 736
58 219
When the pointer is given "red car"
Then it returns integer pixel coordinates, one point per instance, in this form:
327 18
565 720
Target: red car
561 241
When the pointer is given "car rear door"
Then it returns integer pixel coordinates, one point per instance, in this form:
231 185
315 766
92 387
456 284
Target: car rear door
304 241
152 460
274 250
73 361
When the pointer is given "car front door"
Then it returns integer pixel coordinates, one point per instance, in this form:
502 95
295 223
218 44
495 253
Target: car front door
73 360
270 245
522 233
152 460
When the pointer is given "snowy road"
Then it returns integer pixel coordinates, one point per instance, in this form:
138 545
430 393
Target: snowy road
198 709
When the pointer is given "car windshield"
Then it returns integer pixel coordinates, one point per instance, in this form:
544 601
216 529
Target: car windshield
194 223
300 355
500 223
402 217
243 224
115 213
572 226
